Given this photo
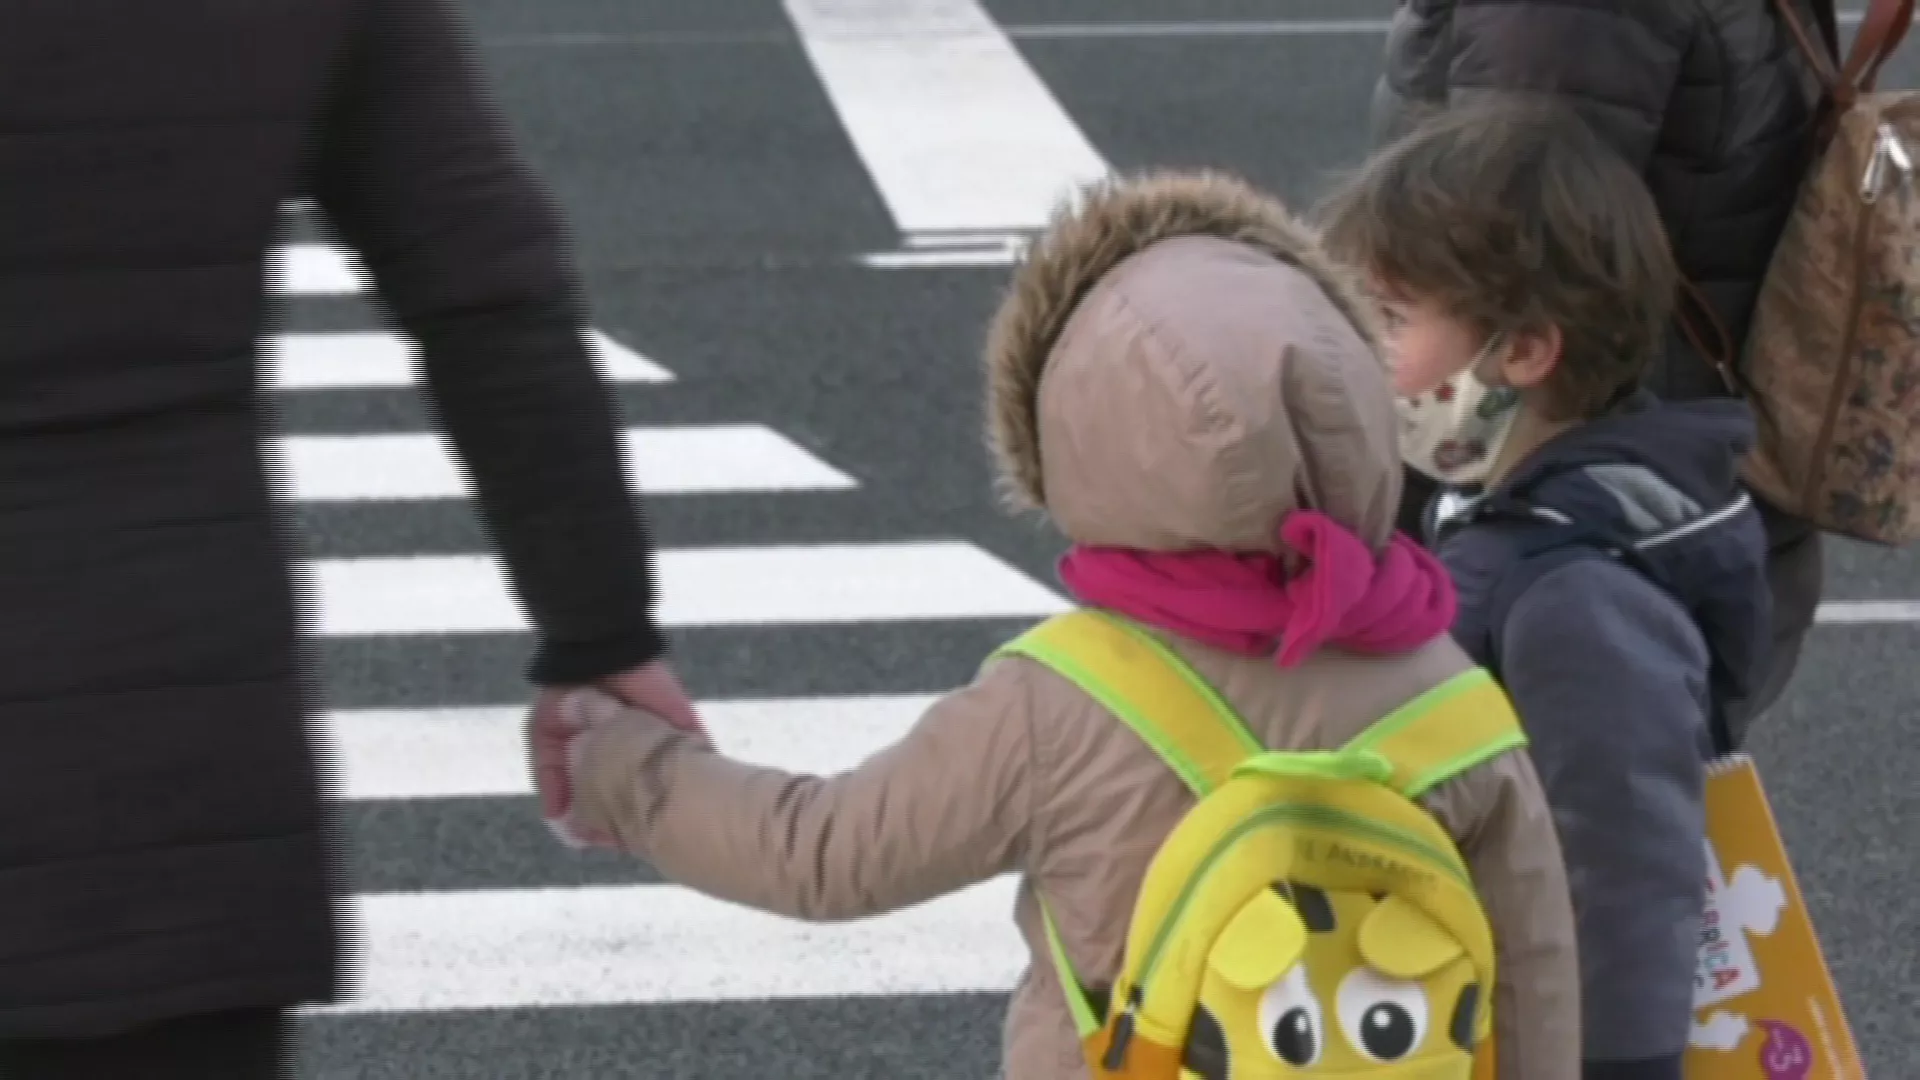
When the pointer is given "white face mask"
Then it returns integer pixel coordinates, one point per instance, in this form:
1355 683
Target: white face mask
1454 433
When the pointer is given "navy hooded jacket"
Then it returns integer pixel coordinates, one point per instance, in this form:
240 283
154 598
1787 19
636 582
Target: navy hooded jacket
1615 582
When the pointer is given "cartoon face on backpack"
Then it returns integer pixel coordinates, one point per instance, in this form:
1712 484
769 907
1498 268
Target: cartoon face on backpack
1318 984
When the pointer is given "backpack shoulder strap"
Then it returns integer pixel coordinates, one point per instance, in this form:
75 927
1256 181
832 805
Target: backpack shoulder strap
1882 28
1456 726
1155 693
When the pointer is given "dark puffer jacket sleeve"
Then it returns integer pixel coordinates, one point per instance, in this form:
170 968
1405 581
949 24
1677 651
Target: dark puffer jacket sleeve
1615 699
1615 62
415 170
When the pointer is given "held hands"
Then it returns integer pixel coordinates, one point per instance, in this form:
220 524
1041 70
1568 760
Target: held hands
561 721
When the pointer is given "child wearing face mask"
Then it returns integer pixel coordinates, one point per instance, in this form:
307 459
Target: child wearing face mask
1611 569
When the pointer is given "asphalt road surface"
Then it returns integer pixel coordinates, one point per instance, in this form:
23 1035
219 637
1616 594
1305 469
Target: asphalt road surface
773 214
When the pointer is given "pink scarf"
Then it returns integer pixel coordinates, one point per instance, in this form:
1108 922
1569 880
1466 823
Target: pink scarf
1247 604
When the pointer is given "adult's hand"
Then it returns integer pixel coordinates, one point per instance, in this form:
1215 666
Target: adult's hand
553 730
655 688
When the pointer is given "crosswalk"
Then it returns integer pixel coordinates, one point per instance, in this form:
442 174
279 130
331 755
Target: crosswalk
627 944
447 949
968 150
507 948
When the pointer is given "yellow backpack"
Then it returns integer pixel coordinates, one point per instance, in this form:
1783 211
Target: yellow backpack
1306 917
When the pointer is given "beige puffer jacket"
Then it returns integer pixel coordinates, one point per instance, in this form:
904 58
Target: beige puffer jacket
1175 365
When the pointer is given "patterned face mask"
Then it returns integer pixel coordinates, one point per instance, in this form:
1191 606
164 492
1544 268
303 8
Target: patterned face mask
1454 432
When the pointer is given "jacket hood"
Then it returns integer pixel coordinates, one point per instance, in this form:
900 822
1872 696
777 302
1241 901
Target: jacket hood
1664 477
1177 365
1695 446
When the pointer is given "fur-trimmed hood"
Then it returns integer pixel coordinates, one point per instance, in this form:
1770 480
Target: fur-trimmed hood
1177 364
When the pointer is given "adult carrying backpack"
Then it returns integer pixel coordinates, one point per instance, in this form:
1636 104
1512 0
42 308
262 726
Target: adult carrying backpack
1306 916
1832 363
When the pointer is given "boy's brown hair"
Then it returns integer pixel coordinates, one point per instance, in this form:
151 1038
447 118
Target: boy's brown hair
1514 217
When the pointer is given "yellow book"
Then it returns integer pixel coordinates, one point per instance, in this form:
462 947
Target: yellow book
1765 1005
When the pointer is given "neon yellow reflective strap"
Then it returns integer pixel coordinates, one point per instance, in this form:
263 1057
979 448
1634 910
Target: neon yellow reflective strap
1347 764
1149 688
1444 732
1158 696
1084 1021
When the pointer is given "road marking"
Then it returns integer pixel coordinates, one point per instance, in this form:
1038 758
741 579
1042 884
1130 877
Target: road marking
740 586
941 251
1857 612
1182 28
403 754
639 944
1002 252
315 270
1226 28
956 131
1014 31
965 259
662 461
370 360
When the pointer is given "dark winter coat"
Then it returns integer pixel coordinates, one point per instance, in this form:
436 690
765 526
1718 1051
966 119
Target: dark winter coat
1713 101
1710 99
1615 583
162 849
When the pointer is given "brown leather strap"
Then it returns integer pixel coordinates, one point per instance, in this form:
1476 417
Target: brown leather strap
1826 62
1881 31
1720 353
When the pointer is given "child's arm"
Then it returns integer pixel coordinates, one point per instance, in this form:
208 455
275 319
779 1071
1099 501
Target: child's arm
1610 677
1508 839
945 807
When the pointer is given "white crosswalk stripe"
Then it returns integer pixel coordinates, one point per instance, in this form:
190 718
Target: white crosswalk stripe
315 270
699 587
396 754
373 360
515 948
668 461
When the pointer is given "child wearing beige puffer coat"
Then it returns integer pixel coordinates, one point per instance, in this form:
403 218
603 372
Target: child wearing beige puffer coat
1176 368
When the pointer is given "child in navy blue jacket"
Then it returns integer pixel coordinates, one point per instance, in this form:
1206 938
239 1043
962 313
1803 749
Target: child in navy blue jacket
1611 569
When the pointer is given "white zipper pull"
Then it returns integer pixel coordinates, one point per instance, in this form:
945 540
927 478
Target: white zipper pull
1888 149
1896 149
1870 179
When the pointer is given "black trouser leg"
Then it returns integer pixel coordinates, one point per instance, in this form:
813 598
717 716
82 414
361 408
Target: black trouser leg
242 1045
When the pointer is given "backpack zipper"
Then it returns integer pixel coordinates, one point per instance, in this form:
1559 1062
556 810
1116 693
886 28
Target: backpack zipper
1888 149
1123 1026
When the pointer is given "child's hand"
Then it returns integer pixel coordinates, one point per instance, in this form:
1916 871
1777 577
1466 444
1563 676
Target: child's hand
555 737
560 735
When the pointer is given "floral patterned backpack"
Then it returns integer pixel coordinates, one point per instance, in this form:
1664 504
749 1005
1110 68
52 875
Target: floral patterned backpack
1832 364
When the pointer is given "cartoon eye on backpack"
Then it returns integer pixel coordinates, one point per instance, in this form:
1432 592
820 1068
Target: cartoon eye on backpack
1307 917
1308 983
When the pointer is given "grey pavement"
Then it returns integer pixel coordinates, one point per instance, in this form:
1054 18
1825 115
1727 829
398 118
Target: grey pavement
718 208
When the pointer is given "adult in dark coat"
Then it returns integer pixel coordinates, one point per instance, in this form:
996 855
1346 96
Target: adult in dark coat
166 885
1712 100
